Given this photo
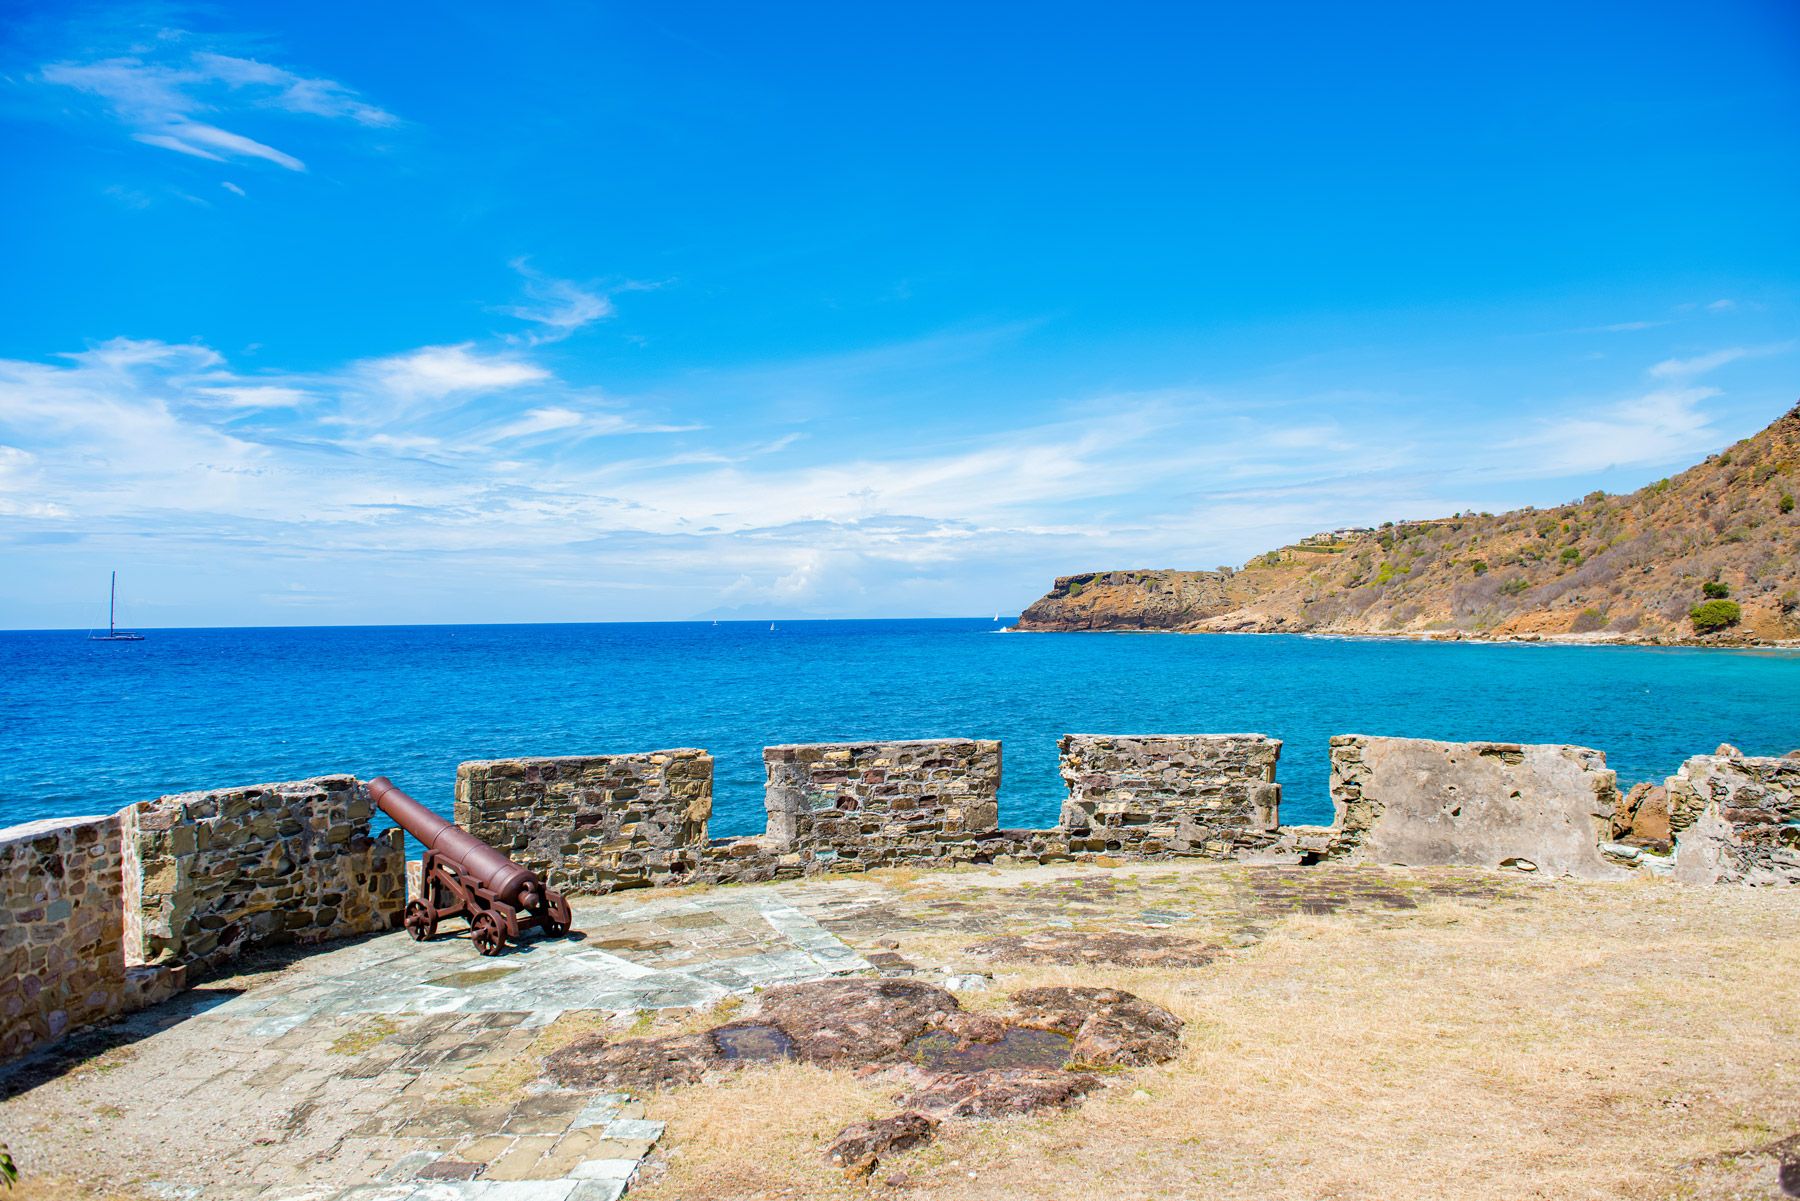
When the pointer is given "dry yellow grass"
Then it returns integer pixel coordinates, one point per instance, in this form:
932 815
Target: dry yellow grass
62 1190
1601 1041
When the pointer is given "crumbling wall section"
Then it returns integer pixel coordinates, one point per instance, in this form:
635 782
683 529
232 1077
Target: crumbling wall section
1740 819
1417 802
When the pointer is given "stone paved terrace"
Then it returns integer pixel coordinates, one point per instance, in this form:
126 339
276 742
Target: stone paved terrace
387 1065
1351 1031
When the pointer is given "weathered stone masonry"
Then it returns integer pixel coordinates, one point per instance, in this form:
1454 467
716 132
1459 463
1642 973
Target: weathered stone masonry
852 806
1491 804
235 868
1739 819
103 915
62 962
187 882
869 804
593 823
1183 794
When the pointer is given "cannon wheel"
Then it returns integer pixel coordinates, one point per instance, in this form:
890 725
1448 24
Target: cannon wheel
420 920
488 933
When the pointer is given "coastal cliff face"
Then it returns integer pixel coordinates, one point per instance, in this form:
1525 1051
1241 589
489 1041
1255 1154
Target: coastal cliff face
1604 568
1134 600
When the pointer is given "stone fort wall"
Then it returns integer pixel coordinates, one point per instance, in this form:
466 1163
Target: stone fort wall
1486 804
874 804
102 915
1738 819
62 951
224 871
593 823
1210 795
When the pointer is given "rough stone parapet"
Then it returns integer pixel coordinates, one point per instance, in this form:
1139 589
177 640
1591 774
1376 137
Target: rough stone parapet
62 962
1740 819
1177 794
1417 802
222 871
855 805
593 823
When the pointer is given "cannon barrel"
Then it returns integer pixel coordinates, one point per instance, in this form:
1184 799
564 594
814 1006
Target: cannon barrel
472 857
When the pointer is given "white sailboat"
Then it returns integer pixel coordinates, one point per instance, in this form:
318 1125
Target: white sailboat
113 632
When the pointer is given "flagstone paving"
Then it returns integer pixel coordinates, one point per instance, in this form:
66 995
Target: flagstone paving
387 1070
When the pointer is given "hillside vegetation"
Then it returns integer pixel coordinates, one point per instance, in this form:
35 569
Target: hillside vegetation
1711 554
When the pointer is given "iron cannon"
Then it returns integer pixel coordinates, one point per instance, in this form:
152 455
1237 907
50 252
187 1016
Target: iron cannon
464 876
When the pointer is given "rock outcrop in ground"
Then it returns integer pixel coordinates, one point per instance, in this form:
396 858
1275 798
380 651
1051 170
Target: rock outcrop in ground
1724 534
1039 1054
862 1145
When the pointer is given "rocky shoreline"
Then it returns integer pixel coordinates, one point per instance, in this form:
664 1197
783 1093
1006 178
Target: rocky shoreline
1741 643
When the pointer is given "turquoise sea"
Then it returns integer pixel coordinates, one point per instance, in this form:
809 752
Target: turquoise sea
89 726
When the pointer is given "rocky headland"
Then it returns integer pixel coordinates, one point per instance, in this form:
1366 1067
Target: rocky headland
1709 556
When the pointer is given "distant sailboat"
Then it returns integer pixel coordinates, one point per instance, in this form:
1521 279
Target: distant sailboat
113 632
771 627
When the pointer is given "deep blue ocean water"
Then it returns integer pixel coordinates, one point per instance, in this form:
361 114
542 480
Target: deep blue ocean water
87 727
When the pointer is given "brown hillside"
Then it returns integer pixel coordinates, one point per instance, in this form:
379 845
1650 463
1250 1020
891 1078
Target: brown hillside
1606 567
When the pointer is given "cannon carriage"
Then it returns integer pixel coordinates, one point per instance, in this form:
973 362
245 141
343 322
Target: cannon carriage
462 876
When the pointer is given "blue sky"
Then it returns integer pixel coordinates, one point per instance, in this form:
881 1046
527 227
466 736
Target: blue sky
322 313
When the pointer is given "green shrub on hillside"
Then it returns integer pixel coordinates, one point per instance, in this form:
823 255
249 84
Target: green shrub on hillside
1571 553
1714 590
1478 567
1787 502
1514 586
1715 615
1587 621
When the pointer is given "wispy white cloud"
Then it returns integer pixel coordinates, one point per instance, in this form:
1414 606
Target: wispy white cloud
537 421
254 396
210 142
558 307
436 372
1662 425
1658 426
1701 364
168 101
277 87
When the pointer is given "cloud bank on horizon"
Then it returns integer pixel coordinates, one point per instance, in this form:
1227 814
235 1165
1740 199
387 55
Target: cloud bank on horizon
440 360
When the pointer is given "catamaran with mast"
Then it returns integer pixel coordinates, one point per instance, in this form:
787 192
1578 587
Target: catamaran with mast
113 632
